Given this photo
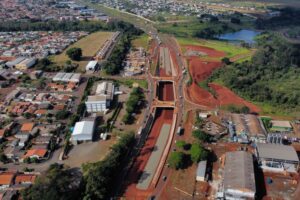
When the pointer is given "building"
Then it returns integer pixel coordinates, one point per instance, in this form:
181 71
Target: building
277 157
100 102
13 63
201 170
96 104
6 179
25 179
26 64
67 77
35 153
92 66
239 179
83 131
281 126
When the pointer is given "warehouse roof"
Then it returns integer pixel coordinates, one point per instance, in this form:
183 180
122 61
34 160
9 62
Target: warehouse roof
278 123
277 151
84 127
239 171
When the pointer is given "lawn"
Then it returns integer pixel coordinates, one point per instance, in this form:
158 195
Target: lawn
129 82
230 49
141 41
89 45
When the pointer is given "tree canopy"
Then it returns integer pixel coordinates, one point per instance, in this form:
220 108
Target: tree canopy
198 153
176 160
74 53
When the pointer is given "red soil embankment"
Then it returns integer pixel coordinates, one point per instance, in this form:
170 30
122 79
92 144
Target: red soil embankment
200 70
163 116
226 97
208 51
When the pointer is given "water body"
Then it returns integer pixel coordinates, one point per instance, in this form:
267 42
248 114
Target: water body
242 35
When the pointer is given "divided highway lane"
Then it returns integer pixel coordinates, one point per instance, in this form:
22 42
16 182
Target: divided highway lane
172 44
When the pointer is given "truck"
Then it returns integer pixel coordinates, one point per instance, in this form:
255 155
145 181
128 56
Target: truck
179 130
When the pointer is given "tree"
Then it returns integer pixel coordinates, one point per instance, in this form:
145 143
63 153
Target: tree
3 158
176 160
200 135
235 20
74 53
57 183
198 153
226 61
180 144
62 114
101 178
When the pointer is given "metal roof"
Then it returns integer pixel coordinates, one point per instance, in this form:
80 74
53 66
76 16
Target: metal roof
239 171
201 168
84 127
277 151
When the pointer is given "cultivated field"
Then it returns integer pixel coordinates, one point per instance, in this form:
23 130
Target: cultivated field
89 45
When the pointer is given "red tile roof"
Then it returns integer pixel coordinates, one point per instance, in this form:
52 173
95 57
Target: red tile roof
36 152
27 127
6 178
25 178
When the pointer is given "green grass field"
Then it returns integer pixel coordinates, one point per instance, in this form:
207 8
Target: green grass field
89 45
141 41
230 49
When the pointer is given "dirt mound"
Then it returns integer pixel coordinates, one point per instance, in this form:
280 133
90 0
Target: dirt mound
226 97
206 50
200 96
200 70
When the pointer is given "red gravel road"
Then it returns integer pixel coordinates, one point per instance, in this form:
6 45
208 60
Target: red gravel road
165 91
163 116
208 51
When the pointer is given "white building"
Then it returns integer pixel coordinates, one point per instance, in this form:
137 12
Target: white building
100 102
91 66
83 131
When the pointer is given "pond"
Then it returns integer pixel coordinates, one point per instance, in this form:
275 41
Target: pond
242 35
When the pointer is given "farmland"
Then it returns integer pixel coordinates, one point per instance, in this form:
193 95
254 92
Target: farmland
89 45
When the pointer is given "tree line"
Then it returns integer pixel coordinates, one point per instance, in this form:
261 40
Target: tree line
74 25
271 76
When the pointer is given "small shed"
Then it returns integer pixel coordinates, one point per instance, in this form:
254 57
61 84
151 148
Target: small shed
201 170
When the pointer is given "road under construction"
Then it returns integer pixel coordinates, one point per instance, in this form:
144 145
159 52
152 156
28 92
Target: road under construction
156 139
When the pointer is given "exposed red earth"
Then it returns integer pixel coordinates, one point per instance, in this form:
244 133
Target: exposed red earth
208 51
226 96
199 71
165 91
200 96
163 116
